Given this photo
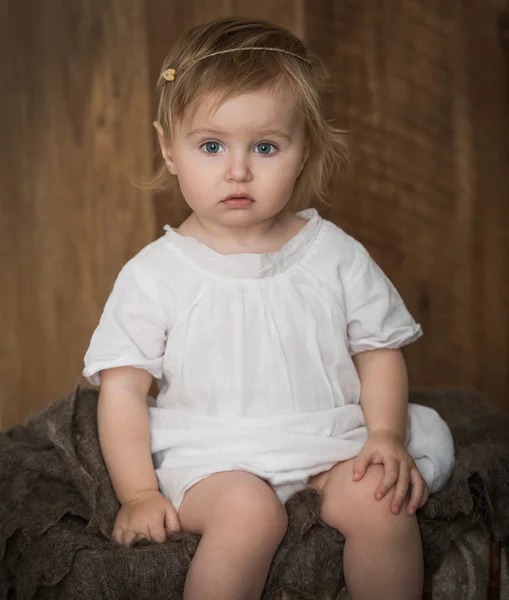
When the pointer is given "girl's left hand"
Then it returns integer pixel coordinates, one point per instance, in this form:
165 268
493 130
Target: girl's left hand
385 448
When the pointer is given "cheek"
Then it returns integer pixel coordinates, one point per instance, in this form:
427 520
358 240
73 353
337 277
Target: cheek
193 170
283 175
193 187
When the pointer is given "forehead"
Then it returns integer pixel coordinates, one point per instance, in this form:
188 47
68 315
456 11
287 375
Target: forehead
254 111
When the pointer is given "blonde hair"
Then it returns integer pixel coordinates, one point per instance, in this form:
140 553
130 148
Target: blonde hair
232 56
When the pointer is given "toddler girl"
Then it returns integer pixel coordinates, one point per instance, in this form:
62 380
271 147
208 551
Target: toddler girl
273 336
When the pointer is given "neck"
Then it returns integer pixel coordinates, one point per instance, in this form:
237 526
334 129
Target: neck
242 237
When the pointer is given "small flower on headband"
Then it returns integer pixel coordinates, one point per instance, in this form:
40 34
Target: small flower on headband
169 74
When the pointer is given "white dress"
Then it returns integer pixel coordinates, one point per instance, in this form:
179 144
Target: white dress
253 356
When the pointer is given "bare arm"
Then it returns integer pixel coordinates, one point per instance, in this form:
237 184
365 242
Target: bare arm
124 434
384 400
384 390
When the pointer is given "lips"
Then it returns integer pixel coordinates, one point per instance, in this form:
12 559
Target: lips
238 197
238 201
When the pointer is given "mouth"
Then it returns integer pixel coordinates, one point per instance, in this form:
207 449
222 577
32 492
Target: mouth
238 201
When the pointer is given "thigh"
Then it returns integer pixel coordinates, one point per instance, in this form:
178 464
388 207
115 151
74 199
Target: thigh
230 497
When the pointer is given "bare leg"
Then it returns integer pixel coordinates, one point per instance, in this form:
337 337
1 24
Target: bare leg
383 552
242 523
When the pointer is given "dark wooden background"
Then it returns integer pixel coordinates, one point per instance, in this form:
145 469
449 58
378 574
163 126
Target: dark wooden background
422 86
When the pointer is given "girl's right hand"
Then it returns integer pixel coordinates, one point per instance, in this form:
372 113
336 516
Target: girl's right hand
148 516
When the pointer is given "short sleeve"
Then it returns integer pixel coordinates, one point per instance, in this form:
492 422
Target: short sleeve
131 331
376 314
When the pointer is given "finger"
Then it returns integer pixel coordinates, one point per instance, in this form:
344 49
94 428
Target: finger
360 465
391 474
425 495
401 488
128 537
157 533
417 491
116 534
171 521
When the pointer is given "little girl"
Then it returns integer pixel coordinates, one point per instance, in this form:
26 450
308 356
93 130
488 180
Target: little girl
273 336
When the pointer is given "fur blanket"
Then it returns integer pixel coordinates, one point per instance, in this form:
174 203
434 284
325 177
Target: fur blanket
57 508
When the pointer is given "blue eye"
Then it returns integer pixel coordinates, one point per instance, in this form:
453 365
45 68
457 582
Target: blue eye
265 148
211 147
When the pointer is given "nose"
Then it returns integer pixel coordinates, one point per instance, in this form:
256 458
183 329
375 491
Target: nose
238 167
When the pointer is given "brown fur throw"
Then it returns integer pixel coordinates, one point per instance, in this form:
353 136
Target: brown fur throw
57 508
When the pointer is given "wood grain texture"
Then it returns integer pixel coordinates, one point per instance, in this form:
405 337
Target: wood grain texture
423 88
75 128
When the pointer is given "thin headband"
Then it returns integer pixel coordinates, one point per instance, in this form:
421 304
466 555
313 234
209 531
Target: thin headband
169 74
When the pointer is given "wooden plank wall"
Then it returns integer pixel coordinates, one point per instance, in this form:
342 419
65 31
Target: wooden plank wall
75 126
422 86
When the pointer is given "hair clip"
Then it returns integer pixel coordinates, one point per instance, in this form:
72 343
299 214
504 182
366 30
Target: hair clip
169 74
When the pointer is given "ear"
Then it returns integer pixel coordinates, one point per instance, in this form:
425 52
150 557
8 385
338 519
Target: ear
165 149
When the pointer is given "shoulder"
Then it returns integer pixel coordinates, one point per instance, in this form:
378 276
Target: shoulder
155 258
339 248
152 253
156 272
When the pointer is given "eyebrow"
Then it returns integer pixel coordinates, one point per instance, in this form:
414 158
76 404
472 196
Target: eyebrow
260 133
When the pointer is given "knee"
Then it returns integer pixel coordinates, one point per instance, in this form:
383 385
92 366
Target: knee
354 510
252 512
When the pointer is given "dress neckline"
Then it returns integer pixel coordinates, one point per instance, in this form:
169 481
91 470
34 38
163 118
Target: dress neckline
248 265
